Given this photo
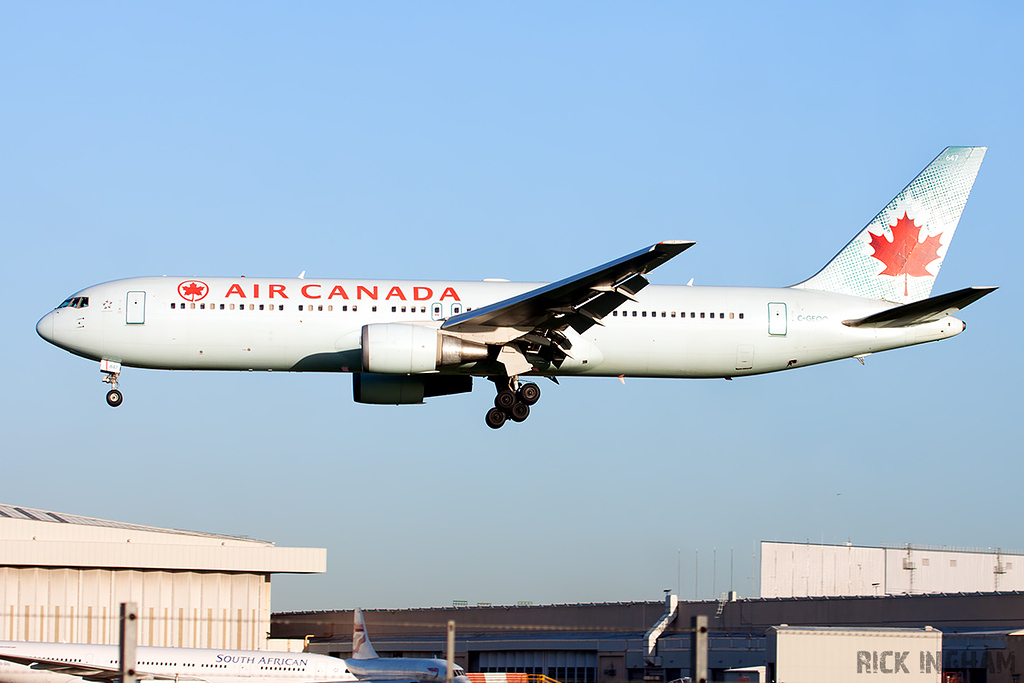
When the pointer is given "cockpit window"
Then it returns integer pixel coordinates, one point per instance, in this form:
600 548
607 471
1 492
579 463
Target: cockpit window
75 302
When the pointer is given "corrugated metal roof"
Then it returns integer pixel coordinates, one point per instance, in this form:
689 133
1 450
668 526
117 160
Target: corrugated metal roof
15 512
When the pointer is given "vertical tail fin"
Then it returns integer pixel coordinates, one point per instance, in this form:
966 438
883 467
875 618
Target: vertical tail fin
897 256
361 648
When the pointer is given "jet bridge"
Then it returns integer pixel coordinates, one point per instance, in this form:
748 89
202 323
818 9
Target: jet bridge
651 637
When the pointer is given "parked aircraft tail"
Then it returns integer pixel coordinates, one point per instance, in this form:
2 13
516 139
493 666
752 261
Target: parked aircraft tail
361 648
897 256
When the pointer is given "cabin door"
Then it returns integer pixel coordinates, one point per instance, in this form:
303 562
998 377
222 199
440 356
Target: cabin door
777 319
135 309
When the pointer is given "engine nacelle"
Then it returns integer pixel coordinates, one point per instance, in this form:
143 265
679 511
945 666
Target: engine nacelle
406 389
403 349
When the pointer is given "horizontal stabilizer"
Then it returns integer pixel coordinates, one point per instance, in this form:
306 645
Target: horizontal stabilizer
926 311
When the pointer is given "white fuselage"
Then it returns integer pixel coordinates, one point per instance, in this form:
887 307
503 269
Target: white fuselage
314 325
215 666
403 669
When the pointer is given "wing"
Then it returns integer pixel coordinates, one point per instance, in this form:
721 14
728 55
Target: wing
580 300
925 311
540 316
89 672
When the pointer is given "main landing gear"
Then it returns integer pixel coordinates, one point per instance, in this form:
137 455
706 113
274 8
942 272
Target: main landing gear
512 402
111 371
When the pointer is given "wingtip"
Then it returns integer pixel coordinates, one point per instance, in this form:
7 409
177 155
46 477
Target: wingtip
674 246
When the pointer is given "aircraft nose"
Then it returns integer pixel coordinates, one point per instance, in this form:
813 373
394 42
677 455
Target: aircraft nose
44 328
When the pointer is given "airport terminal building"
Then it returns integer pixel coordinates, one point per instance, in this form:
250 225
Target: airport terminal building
983 639
972 596
64 576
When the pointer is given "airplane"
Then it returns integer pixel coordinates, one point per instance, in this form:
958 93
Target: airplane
27 662
367 666
405 341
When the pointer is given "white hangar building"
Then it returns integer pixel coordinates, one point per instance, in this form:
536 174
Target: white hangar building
63 578
801 570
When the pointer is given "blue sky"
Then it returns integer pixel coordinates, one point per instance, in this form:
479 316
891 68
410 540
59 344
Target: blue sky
528 141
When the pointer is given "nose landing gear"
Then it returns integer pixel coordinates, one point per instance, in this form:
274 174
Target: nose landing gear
513 401
111 371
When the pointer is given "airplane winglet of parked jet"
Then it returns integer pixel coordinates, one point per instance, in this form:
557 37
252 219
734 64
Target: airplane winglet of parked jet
408 340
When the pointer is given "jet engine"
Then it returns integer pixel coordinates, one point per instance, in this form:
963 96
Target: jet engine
403 349
406 389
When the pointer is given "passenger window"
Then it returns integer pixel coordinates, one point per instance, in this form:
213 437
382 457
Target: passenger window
192 306
355 308
741 316
634 314
320 307
330 307
702 314
673 314
663 314
222 307
643 314
202 307
261 307
394 309
615 313
731 316
252 307
693 314
344 308
373 310
173 305
280 307
721 316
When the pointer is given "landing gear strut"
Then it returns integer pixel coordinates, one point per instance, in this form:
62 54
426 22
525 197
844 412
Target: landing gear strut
513 401
111 371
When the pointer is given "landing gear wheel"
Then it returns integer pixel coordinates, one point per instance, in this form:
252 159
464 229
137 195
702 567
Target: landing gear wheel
520 411
529 393
114 398
495 418
505 399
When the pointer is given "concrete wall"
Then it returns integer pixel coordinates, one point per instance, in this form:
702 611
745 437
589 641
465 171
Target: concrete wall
813 570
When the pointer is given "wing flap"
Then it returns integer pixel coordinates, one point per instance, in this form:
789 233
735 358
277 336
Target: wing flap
89 672
925 311
84 671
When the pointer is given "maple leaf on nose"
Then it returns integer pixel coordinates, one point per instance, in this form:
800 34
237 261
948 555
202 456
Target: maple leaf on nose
906 254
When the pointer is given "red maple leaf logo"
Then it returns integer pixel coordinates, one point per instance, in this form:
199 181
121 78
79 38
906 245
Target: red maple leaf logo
906 255
193 290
